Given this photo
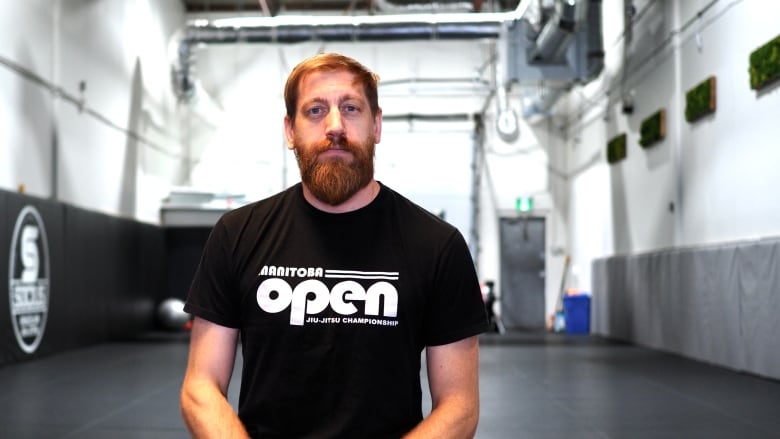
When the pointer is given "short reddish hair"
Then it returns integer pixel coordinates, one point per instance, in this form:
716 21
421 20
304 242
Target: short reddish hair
330 62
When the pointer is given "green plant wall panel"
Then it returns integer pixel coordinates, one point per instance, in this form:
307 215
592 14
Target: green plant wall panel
616 149
653 129
700 100
765 64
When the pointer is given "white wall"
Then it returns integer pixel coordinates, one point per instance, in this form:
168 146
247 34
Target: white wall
729 162
118 151
26 109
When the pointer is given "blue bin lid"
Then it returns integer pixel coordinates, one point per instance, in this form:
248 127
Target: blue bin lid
577 298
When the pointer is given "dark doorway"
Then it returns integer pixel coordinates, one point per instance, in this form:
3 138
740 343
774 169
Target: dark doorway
522 273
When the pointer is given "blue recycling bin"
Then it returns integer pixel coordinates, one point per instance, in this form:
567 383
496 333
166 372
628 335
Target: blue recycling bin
576 311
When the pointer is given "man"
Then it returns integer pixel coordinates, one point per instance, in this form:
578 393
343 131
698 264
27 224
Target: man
335 286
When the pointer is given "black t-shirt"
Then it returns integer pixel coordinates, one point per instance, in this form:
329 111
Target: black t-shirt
335 309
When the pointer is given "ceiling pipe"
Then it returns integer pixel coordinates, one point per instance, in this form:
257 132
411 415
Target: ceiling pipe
296 29
507 125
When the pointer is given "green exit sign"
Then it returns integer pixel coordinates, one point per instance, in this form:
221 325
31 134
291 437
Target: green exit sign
524 204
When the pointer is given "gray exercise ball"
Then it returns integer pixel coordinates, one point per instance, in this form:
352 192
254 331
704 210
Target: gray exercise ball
171 315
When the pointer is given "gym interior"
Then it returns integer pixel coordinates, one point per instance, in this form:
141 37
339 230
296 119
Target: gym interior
587 150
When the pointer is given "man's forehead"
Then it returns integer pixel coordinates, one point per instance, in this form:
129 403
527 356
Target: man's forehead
331 82
329 75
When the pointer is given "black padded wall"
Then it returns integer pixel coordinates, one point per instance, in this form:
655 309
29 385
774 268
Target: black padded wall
106 276
6 333
51 216
184 246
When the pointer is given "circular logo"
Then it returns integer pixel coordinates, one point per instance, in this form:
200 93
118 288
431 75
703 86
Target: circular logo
28 279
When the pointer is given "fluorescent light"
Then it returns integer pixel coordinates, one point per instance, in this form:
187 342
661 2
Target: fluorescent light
346 20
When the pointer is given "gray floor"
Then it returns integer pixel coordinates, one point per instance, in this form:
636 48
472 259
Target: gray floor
532 386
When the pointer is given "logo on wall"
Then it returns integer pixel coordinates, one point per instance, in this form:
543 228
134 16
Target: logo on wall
28 279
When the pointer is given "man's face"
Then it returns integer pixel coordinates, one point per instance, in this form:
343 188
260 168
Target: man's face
333 136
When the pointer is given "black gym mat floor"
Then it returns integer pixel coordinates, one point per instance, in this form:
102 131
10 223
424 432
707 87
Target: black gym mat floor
532 385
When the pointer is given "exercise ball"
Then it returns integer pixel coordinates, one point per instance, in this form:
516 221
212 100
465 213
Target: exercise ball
171 315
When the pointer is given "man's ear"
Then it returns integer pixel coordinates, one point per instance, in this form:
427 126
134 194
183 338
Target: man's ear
378 126
288 132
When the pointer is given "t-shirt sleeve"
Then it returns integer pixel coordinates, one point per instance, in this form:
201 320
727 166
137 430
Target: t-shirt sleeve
456 309
213 295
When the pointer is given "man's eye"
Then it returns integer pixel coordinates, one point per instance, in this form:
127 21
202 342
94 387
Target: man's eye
315 111
350 108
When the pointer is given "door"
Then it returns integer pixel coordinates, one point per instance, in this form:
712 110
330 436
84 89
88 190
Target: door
522 273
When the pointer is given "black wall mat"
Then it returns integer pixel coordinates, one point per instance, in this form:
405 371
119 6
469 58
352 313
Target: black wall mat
17 343
184 247
6 332
105 277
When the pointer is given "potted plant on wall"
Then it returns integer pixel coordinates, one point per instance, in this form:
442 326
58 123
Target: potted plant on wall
700 100
653 129
616 149
765 64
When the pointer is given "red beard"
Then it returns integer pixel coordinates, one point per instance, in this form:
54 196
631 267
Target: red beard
334 180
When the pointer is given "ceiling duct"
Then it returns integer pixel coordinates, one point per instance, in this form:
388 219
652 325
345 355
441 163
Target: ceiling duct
556 34
539 102
563 52
295 29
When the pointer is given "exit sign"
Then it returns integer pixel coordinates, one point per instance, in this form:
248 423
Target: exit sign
524 204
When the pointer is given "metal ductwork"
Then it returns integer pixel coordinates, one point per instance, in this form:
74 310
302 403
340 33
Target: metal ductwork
538 103
355 32
568 48
561 51
296 29
594 40
557 33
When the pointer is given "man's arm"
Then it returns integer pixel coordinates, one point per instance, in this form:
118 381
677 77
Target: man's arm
453 377
204 404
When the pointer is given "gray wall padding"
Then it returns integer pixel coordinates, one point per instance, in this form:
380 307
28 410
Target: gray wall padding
718 304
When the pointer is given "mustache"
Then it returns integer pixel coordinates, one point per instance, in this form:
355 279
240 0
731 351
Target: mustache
341 143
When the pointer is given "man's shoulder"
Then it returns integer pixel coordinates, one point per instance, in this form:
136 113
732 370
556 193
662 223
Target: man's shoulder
415 218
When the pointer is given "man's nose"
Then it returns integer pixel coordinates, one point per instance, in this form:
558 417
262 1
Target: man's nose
334 123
